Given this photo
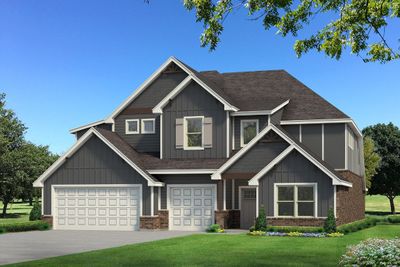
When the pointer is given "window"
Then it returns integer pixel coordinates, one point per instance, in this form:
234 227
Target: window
132 126
193 129
148 126
351 141
295 200
248 130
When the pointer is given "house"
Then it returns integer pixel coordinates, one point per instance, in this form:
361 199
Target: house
190 148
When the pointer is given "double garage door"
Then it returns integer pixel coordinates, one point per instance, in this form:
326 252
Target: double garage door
97 207
191 207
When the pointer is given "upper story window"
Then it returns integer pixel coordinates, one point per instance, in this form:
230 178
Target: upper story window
132 126
248 130
295 200
193 133
148 126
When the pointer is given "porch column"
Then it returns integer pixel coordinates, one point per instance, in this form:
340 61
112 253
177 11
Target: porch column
257 201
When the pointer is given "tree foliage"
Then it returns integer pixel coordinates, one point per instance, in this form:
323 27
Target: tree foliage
387 179
371 160
358 24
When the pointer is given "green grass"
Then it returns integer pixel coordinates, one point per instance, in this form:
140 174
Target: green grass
16 213
224 250
378 204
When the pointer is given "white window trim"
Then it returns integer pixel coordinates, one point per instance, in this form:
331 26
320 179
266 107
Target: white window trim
185 140
242 144
154 126
351 140
127 126
276 185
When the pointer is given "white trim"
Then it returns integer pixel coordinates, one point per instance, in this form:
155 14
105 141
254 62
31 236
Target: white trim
323 141
346 144
161 136
301 133
142 125
159 199
233 133
158 109
185 140
42 200
224 189
269 119
335 179
266 169
296 185
127 126
182 171
53 187
334 200
215 198
260 112
228 126
40 181
89 125
151 201
242 144
257 196
325 121
233 206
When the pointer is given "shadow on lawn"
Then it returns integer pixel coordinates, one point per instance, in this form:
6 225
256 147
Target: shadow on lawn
380 213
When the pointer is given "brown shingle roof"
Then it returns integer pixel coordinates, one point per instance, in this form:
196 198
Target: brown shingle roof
265 90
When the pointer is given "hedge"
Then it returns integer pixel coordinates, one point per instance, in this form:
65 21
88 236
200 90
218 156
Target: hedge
24 226
358 225
300 229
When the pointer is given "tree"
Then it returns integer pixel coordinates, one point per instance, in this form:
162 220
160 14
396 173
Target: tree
261 220
11 139
387 179
358 24
330 222
35 160
371 160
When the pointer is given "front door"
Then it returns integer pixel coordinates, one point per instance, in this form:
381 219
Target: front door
247 207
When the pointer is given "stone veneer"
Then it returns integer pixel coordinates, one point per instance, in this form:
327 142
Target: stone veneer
48 219
350 201
164 219
150 222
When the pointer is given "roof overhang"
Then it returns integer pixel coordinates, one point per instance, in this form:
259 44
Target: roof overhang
182 171
292 145
83 127
260 112
93 132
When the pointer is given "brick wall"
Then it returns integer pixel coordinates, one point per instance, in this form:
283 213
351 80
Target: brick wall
350 202
296 222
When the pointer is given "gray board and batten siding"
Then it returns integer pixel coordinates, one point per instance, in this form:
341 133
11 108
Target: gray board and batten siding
95 163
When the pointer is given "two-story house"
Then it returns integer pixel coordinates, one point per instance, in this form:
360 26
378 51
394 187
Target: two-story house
190 148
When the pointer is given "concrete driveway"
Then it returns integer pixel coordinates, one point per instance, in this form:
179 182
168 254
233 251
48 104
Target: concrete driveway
19 247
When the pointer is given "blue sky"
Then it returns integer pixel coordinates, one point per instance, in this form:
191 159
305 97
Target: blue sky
68 63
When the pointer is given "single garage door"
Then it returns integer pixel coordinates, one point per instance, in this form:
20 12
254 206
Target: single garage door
97 207
191 207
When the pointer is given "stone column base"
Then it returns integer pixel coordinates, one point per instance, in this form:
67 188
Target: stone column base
150 222
164 219
221 218
48 219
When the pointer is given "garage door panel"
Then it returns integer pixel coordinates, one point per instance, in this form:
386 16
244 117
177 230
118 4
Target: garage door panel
191 207
97 208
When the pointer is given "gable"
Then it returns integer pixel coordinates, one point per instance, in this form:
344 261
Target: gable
262 153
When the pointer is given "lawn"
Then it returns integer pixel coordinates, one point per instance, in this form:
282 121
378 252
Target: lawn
380 204
16 212
224 250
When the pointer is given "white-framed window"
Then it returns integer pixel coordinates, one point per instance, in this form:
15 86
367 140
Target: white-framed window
193 133
248 130
132 126
351 140
148 126
295 200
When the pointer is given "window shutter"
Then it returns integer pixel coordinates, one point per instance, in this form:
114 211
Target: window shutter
179 133
208 136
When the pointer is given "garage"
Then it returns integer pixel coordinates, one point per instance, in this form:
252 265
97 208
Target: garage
191 207
96 207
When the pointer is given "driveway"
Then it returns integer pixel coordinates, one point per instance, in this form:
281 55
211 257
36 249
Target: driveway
18 247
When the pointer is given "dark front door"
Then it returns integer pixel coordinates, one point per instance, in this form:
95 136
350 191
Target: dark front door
247 207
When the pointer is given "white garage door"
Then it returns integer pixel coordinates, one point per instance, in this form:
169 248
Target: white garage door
96 207
191 207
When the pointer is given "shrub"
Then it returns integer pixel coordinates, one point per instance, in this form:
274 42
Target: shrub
336 234
288 229
252 229
257 233
215 228
25 226
36 212
295 234
358 225
373 252
261 220
330 222
393 219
